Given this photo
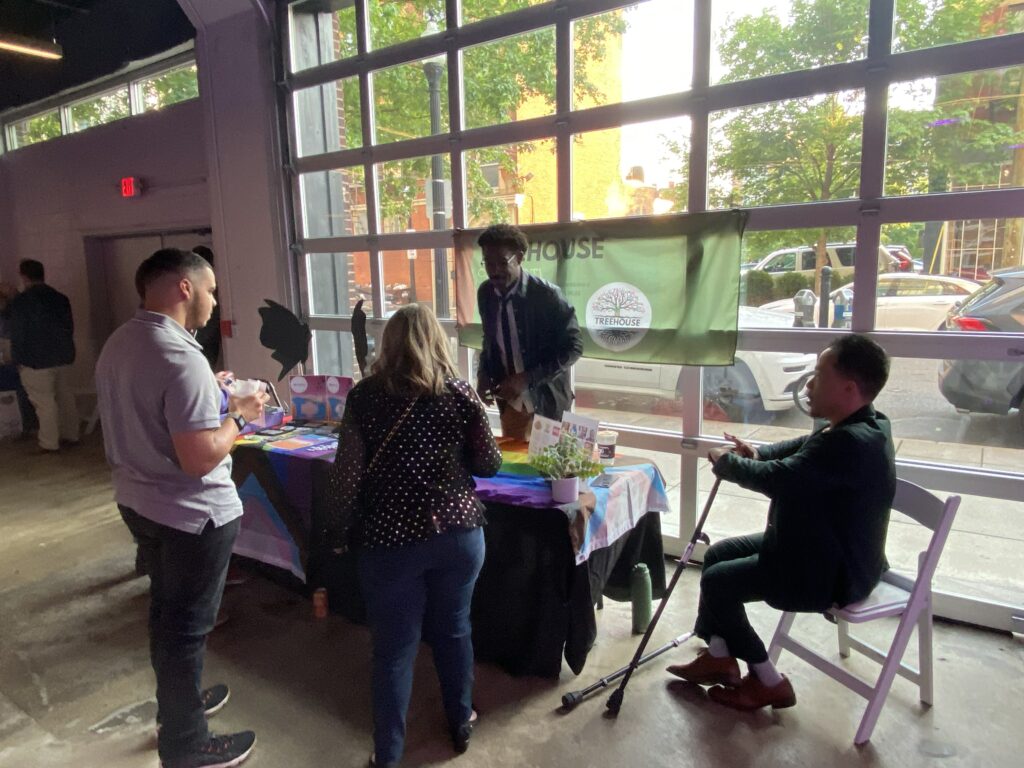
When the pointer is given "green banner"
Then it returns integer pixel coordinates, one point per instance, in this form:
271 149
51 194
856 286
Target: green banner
662 290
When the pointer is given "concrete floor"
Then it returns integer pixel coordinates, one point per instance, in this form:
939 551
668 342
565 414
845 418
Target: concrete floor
76 688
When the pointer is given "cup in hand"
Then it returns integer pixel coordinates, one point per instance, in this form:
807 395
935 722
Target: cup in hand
245 387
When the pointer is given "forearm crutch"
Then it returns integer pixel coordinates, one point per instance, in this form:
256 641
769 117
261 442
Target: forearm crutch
573 698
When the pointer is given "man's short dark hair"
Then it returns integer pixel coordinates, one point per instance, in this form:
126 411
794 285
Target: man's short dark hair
164 262
863 361
31 269
504 234
205 252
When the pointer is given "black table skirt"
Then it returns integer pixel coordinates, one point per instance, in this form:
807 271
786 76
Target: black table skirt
532 603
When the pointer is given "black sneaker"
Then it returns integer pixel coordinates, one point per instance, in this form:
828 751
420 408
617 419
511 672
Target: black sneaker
217 752
214 698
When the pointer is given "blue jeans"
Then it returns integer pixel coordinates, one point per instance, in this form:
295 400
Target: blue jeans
420 589
186 573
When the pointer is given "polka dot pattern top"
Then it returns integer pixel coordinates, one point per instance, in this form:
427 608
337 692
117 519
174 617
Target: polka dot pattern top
422 484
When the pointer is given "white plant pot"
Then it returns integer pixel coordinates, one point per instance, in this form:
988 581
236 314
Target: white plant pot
566 490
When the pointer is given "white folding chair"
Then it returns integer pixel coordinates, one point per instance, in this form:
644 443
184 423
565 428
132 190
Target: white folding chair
895 595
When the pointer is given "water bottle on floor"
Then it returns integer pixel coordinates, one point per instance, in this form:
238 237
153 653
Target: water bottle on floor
640 595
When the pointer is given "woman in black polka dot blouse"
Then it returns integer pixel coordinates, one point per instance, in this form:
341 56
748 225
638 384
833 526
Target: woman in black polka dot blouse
412 437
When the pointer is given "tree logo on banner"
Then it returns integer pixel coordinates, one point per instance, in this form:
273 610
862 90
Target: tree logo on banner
618 316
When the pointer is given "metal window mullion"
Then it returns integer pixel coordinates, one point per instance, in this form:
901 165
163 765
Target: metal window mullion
64 113
377 282
699 150
543 127
136 100
456 101
691 378
511 24
392 241
949 206
297 208
563 107
301 263
336 323
876 96
958 58
930 346
369 170
872 163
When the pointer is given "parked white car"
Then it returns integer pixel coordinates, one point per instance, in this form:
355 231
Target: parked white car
762 380
905 301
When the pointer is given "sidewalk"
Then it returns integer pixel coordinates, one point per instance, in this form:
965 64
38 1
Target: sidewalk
984 551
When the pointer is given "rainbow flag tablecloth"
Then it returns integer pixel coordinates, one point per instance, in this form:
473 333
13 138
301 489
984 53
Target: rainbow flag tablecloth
596 520
600 516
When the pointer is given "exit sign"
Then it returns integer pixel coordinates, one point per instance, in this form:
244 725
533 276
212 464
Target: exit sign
131 186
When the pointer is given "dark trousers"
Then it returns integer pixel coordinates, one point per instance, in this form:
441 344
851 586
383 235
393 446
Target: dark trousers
730 579
422 589
186 573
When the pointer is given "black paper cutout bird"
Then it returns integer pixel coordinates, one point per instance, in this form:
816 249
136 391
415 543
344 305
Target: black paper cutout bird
359 336
285 334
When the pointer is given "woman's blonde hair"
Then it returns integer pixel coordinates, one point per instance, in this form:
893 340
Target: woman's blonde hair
414 357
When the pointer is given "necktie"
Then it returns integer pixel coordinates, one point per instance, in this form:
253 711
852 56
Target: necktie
506 335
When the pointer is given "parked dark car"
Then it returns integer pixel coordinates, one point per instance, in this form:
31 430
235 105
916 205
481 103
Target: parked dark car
987 386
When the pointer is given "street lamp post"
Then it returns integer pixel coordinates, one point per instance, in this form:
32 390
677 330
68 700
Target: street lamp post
434 71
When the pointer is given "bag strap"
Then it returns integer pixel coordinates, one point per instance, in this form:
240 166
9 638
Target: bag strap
387 439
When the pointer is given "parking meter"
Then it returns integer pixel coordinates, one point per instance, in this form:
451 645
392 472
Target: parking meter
803 308
843 304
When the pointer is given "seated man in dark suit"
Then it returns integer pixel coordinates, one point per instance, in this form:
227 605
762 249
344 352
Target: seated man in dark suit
824 544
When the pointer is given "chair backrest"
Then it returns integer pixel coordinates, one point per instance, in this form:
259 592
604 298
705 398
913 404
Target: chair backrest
915 502
930 511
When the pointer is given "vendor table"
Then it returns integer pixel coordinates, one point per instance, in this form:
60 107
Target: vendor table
546 564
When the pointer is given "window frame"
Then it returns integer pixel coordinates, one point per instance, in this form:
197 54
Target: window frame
868 211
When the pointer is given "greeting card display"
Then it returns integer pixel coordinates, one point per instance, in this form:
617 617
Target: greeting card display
582 428
545 432
309 397
337 388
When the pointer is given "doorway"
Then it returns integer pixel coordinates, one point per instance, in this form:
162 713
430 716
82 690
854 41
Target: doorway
111 263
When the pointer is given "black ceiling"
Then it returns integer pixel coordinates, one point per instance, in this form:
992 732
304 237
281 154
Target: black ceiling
98 36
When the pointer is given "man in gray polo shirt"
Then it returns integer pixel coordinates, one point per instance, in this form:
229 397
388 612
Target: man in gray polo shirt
169 450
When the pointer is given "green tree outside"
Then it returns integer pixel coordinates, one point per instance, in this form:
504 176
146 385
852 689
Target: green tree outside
498 78
809 149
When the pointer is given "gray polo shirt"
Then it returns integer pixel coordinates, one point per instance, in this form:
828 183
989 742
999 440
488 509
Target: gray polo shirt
152 382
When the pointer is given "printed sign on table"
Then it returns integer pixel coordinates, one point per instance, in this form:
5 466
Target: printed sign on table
545 433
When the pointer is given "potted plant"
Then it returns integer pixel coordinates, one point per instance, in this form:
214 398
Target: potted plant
564 464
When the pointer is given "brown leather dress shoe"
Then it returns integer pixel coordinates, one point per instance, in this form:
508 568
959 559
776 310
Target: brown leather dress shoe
753 694
709 670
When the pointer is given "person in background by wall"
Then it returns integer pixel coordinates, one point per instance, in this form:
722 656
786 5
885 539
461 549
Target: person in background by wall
531 336
169 449
43 347
209 335
412 437
9 379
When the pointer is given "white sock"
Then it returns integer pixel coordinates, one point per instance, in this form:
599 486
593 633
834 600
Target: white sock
717 647
766 673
